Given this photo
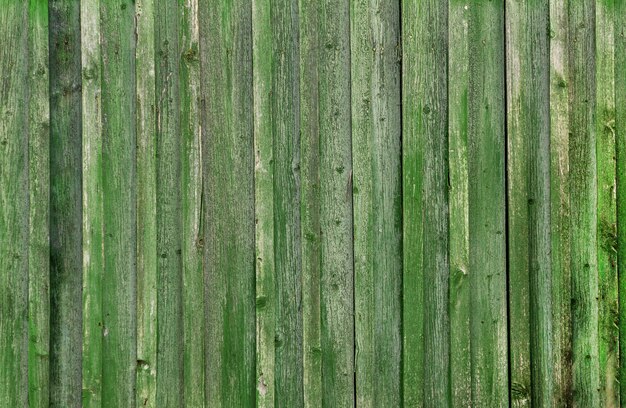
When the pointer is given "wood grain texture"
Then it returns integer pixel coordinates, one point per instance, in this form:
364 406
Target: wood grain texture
560 204
228 167
620 143
528 107
412 216
191 190
432 134
264 205
93 211
14 204
608 331
520 126
145 122
376 131
310 203
39 206
458 82
335 172
66 255
285 107
487 249
583 201
119 353
169 276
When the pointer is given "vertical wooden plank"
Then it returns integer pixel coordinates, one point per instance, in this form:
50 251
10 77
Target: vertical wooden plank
620 141
458 83
119 353
66 261
560 204
412 216
487 249
264 204
170 384
432 132
608 339
14 203
583 199
191 162
376 157
228 167
93 215
310 203
146 205
39 190
337 286
518 202
530 285
285 108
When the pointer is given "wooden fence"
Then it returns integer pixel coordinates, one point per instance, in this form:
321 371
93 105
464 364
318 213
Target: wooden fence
317 203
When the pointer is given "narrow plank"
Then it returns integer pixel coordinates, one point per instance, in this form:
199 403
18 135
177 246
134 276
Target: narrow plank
146 205
14 205
530 285
518 196
66 257
191 168
228 167
310 205
93 211
487 249
170 377
335 172
412 215
608 347
119 353
285 109
376 157
432 133
583 199
458 83
620 141
264 204
560 204
39 235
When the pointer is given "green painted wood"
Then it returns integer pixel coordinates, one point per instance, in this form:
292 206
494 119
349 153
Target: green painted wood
519 124
459 309
264 205
169 277
528 107
93 211
608 337
620 142
39 207
335 173
432 133
145 121
376 131
192 235
310 202
284 101
14 204
458 83
66 255
228 178
487 249
560 205
119 353
412 216
583 199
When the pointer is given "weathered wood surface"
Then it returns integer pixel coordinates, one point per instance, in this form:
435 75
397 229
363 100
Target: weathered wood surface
324 204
